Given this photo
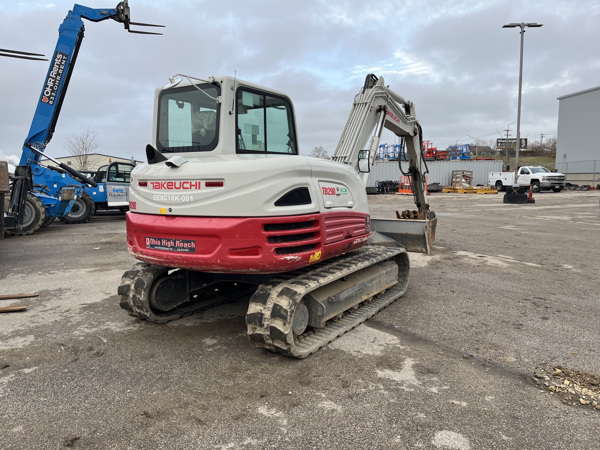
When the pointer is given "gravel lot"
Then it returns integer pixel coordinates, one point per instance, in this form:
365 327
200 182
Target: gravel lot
463 361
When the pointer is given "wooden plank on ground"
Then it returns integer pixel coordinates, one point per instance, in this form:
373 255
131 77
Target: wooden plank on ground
13 296
9 309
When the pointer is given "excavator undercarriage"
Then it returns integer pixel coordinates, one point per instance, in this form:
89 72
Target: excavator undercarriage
295 313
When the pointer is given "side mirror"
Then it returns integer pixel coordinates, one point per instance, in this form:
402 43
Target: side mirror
364 161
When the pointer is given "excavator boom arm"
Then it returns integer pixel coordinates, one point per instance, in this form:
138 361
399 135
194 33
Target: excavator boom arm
376 107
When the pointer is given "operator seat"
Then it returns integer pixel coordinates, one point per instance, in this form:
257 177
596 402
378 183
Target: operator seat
203 127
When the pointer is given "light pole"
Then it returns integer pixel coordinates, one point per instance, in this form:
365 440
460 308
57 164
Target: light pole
522 26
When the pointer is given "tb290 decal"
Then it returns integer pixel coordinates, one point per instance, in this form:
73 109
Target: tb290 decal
328 190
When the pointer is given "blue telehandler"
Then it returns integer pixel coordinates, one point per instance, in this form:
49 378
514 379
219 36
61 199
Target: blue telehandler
41 193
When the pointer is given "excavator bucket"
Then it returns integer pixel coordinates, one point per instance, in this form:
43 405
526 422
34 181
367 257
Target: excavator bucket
415 235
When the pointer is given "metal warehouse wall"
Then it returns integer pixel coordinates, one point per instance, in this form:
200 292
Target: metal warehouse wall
439 171
577 137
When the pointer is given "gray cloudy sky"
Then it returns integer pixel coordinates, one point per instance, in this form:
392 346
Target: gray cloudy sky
452 58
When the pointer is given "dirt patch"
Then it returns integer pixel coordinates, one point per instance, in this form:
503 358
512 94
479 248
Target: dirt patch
572 386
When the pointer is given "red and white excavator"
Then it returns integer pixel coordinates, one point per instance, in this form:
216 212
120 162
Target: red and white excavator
227 208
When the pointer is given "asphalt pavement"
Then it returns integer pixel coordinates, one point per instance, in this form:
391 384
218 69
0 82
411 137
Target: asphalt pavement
509 296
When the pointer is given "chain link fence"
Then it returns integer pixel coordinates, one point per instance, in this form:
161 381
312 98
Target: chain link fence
581 172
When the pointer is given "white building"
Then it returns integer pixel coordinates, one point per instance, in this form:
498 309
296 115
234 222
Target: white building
577 145
93 161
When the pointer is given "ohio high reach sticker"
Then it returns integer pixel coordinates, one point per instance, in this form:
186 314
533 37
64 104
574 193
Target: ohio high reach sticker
57 70
171 245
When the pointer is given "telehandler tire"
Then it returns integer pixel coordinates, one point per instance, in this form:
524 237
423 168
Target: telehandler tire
82 210
33 218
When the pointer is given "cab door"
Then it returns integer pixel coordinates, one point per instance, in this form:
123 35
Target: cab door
118 176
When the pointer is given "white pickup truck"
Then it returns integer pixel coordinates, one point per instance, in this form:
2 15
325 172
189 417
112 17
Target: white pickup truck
537 177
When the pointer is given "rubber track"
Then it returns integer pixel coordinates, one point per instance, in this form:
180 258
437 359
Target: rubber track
272 306
136 285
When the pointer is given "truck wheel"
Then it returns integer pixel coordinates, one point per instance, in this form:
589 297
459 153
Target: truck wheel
33 216
82 210
499 186
535 186
557 188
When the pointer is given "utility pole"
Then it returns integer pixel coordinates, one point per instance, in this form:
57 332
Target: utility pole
542 141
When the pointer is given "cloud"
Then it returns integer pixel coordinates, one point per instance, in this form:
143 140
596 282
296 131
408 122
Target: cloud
453 59
13 160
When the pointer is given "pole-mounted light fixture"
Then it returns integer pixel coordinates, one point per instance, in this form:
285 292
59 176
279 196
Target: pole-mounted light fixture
522 26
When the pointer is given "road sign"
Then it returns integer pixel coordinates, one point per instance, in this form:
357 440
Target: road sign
512 142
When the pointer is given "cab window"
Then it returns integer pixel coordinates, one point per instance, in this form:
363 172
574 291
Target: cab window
264 123
119 173
100 174
188 119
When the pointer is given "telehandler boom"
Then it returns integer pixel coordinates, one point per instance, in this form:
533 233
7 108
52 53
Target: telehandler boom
41 193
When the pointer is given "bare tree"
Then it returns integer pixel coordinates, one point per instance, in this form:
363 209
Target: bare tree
550 145
80 146
479 147
319 152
